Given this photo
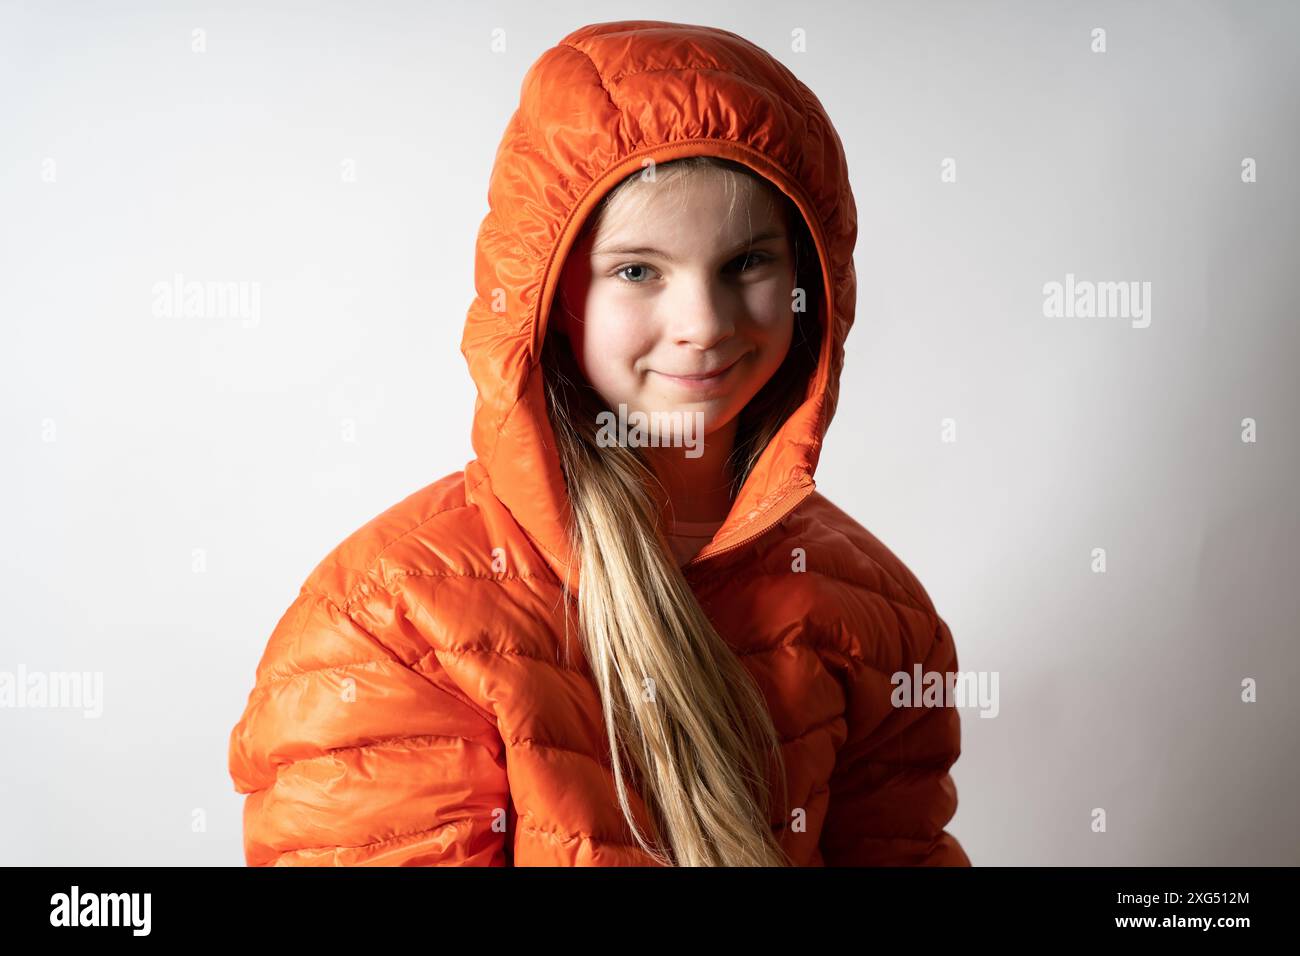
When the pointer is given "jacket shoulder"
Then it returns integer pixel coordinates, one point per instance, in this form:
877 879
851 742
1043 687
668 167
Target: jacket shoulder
837 545
416 533
855 590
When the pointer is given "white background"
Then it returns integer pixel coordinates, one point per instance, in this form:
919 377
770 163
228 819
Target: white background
1118 690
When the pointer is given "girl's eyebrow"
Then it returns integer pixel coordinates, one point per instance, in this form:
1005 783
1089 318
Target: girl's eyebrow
659 254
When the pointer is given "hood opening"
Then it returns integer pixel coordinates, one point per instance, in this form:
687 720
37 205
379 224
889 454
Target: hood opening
785 388
798 481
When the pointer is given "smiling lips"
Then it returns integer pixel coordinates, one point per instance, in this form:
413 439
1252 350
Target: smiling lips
704 378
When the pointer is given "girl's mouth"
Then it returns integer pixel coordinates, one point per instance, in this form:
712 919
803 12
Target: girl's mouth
702 383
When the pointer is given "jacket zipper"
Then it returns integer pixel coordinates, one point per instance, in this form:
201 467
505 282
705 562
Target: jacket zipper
782 512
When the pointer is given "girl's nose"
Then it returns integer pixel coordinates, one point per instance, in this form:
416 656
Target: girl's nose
701 314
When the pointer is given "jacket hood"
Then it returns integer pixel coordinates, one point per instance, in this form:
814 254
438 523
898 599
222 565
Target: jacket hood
592 109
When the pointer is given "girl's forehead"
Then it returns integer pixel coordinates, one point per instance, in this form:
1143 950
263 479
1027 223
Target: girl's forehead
685 187
743 204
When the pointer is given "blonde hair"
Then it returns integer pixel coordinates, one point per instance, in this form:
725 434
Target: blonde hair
702 749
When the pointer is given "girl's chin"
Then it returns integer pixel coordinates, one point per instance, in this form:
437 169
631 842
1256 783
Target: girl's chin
706 421
704 416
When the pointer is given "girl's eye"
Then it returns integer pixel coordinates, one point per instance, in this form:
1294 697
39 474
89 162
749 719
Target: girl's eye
640 272
634 266
753 260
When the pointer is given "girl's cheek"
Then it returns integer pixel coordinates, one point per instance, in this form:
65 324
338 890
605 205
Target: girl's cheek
770 306
619 331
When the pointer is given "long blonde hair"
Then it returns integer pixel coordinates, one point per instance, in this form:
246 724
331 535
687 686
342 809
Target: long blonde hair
687 726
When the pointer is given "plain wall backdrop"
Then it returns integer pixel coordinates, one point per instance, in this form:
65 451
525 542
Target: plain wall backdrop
170 479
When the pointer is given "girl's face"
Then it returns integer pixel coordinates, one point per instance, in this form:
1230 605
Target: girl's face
672 305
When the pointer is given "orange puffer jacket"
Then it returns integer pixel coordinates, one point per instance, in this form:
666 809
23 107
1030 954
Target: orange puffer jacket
413 706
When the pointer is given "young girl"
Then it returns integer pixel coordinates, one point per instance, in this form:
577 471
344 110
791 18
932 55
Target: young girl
604 643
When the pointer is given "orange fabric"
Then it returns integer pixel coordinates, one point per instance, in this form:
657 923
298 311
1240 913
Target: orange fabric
688 538
414 707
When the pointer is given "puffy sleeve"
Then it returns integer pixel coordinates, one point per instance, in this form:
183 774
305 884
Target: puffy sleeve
891 794
350 756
